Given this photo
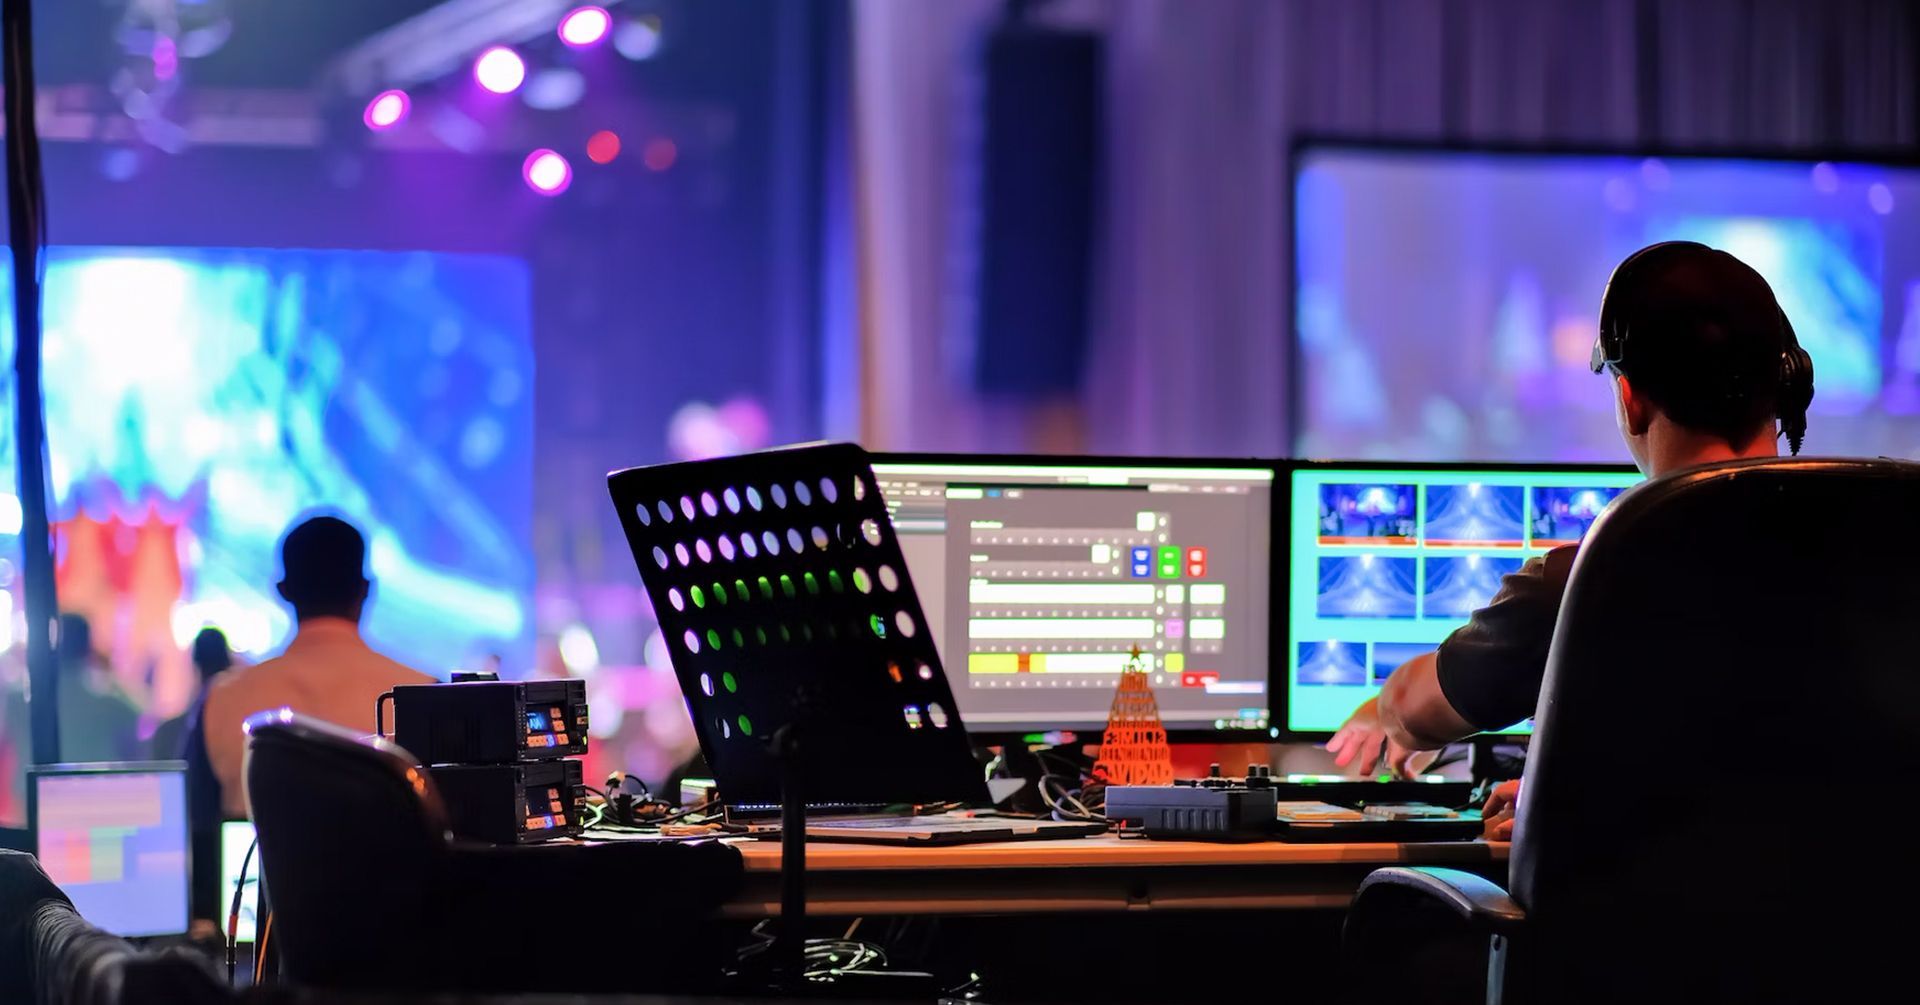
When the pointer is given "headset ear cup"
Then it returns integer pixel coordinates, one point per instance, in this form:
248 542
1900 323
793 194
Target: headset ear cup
1796 394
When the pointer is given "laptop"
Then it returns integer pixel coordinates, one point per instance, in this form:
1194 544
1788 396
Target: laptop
786 603
114 837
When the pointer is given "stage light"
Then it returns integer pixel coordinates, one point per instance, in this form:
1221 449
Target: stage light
585 26
554 88
603 146
546 172
1826 178
499 70
386 110
1880 197
166 58
638 39
660 153
578 650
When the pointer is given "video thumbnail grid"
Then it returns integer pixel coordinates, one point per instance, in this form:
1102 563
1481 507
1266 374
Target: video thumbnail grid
1386 564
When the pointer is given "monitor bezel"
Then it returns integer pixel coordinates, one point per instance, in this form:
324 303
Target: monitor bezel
35 773
1276 606
1280 673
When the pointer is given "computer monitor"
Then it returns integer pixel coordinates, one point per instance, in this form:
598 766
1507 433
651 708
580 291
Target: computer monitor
1041 574
1385 560
114 837
236 837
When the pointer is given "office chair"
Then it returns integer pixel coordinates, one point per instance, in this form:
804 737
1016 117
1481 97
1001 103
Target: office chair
371 892
1715 805
50 955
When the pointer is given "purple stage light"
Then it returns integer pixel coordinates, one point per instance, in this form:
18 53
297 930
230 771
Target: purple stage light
546 172
585 26
386 110
499 70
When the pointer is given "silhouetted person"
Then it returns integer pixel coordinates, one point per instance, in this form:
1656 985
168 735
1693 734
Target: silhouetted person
327 671
97 721
210 656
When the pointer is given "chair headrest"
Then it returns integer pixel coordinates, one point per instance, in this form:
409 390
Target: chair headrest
285 728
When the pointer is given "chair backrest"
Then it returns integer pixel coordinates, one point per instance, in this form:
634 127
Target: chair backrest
353 841
1730 707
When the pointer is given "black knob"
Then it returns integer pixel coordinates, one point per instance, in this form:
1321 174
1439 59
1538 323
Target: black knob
1213 770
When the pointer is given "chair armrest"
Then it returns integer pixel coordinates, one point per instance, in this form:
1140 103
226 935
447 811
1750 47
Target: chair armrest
1472 898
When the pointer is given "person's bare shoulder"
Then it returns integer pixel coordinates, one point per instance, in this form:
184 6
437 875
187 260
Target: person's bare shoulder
400 673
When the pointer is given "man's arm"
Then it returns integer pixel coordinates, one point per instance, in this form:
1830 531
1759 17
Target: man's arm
1416 714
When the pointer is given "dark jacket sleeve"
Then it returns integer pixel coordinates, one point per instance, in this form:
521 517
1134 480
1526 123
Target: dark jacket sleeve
1490 669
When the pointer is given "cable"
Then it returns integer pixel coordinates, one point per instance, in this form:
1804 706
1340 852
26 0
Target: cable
233 913
260 951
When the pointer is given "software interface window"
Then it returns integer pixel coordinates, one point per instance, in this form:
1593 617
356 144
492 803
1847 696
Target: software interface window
117 844
1386 564
1041 580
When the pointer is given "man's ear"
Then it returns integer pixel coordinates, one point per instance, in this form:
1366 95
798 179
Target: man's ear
1635 407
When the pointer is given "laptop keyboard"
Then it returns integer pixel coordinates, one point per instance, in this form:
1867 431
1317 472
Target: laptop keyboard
913 823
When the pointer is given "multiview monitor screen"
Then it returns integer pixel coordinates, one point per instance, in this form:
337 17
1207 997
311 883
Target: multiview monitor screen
1384 563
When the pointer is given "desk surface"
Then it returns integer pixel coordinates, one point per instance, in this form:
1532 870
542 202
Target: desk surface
1088 874
1111 851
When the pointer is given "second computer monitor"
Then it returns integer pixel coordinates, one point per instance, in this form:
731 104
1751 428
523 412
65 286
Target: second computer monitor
114 837
1385 561
1040 577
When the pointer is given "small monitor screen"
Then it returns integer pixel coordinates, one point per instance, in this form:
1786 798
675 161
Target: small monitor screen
116 842
1042 578
1385 563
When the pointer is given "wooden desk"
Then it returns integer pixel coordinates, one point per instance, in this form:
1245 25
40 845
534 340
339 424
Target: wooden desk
1088 875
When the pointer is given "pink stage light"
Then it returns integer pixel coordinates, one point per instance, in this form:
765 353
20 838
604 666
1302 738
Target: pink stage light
500 70
585 26
546 172
386 110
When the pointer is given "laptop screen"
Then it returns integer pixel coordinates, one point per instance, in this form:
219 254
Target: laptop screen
114 837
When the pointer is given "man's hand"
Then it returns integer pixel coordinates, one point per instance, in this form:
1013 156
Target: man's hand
1360 740
1497 817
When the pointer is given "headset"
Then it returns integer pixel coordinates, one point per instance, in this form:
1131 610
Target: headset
1795 382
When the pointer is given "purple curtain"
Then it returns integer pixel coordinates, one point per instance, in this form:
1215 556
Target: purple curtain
1204 96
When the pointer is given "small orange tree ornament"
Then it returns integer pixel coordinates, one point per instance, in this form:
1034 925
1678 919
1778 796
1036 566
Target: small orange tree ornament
1134 751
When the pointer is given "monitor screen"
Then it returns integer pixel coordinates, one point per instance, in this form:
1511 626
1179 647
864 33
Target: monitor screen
1385 562
1041 577
116 841
236 837
1447 301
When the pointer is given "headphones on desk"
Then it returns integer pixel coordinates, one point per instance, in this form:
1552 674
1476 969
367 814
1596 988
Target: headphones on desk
1794 390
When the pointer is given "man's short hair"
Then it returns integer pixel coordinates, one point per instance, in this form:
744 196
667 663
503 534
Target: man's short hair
323 561
1699 333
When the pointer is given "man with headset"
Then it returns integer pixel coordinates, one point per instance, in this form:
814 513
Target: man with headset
1705 369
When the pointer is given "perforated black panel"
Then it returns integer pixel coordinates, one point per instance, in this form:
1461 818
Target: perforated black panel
779 585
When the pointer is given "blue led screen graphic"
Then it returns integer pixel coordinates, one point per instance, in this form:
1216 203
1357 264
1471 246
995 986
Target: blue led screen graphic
217 394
